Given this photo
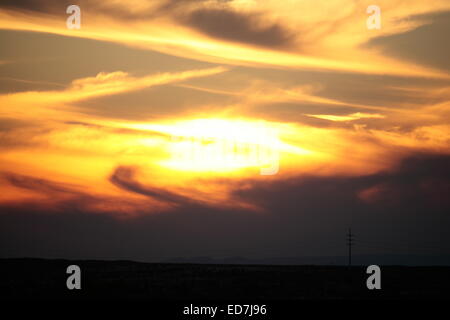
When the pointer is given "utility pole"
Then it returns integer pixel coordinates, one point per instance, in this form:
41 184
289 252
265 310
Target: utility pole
350 242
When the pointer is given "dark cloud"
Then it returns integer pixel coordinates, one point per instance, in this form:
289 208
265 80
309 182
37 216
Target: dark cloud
419 181
305 216
58 8
125 178
21 134
40 6
144 133
9 124
37 184
59 198
220 21
239 27
427 44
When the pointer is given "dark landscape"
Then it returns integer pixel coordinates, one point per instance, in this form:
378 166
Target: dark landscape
40 279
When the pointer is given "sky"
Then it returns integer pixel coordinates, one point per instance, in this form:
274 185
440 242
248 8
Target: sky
253 128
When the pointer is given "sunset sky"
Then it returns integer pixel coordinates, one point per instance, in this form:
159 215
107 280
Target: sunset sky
133 136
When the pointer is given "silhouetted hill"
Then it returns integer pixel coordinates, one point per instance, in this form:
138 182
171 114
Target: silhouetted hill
361 260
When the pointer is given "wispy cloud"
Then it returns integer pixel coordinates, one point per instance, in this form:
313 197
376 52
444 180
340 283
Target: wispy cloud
32 104
349 117
322 39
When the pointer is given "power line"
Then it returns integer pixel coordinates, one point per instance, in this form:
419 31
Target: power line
350 243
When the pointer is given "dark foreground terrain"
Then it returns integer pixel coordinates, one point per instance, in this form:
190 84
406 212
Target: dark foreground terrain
46 279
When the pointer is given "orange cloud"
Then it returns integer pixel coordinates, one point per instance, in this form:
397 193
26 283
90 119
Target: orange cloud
330 35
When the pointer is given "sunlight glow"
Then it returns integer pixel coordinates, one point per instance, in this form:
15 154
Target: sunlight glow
222 145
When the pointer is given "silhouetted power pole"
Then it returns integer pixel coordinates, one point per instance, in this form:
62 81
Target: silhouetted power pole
350 240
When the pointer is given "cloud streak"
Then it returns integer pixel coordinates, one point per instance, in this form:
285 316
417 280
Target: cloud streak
227 32
124 177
